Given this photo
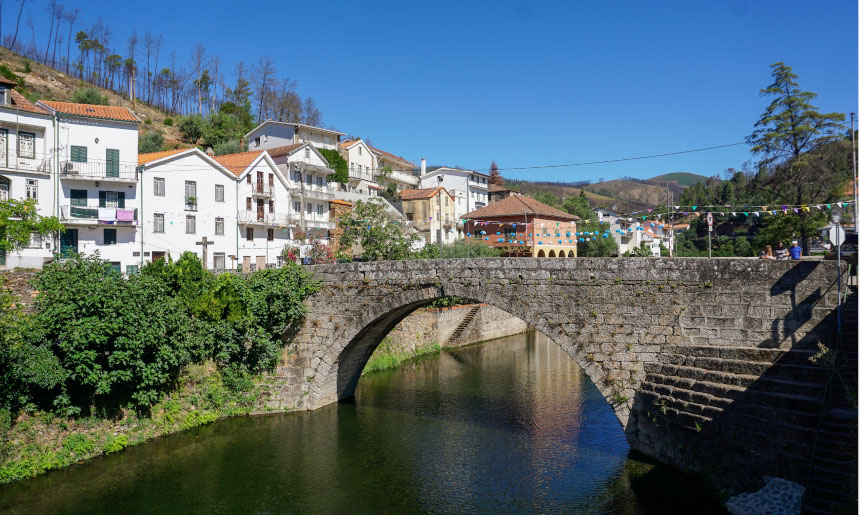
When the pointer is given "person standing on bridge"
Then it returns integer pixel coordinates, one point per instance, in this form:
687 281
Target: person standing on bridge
795 250
767 253
781 252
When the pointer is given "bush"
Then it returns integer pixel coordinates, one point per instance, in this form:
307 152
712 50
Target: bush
227 147
89 95
168 121
151 141
191 128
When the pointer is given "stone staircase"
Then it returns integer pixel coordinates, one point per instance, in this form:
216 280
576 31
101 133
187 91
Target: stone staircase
832 486
458 332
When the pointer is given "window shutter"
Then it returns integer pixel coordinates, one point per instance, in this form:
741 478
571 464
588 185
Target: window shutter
102 199
121 199
79 197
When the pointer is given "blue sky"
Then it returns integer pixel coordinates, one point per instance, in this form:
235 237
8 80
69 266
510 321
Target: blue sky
527 83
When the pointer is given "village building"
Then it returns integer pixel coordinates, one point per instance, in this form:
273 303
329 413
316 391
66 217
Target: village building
496 193
272 134
523 226
431 212
363 167
396 169
470 189
631 232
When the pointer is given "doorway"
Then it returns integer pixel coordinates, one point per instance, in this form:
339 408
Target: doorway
69 242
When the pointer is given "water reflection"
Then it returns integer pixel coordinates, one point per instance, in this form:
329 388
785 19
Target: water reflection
512 425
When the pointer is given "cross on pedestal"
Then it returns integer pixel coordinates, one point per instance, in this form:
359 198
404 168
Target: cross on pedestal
205 244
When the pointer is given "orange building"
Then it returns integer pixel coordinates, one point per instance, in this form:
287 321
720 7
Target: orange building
522 226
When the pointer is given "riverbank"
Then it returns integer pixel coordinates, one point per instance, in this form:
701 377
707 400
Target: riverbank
36 442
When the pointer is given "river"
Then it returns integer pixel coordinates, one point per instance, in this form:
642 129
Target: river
512 425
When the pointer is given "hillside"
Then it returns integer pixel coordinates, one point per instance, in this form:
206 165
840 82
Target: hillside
563 191
638 192
683 178
46 83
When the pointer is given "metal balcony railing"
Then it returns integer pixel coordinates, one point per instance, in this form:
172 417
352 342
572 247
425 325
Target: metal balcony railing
256 218
98 170
92 214
315 192
35 163
262 190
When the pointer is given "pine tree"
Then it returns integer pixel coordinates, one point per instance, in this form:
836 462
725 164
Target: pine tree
495 176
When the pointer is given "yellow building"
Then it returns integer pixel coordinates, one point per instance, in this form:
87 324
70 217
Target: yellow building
431 212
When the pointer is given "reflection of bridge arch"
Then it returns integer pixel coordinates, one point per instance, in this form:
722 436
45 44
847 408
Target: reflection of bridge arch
670 343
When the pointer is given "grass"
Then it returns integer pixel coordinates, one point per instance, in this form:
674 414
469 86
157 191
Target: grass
386 357
38 442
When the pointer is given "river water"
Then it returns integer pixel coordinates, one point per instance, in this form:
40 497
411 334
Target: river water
508 426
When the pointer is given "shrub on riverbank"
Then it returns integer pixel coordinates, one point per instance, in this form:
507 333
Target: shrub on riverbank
97 343
385 357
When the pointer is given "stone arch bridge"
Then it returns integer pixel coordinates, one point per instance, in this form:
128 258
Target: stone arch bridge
705 362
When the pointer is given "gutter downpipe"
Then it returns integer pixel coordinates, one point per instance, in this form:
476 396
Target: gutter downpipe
56 120
141 188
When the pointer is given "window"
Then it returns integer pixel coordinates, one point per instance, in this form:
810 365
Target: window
270 234
297 206
4 96
219 226
158 222
307 152
190 195
4 188
409 216
248 178
359 150
131 269
78 198
27 145
310 179
319 181
248 203
158 186
271 180
111 199
249 234
271 206
256 142
78 154
319 209
116 266
110 237
309 208
190 224
35 241
32 189
219 193
219 262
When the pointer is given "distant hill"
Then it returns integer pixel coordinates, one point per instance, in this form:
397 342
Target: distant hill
639 192
564 190
683 178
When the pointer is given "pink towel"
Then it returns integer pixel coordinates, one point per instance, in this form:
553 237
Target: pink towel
125 215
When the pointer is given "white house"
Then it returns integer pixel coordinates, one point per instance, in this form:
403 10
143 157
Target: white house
185 196
395 169
306 172
97 195
264 209
26 167
470 189
363 167
271 134
630 232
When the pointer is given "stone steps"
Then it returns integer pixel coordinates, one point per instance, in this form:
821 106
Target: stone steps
455 336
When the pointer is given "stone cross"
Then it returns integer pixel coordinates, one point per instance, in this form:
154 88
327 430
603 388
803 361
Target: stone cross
205 244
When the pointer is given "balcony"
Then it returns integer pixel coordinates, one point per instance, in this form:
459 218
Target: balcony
313 192
98 171
261 218
33 163
401 178
262 190
90 215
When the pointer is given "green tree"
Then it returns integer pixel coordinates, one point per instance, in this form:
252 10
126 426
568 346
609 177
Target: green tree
337 163
379 239
545 197
788 137
150 141
19 220
89 95
467 248
191 128
578 206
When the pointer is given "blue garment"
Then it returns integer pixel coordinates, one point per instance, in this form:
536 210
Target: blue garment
795 252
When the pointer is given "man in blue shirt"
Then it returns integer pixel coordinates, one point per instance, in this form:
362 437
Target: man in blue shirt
795 250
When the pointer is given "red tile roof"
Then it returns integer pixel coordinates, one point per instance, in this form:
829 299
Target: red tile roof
496 187
21 102
422 193
283 151
238 163
123 114
149 157
519 205
341 202
392 156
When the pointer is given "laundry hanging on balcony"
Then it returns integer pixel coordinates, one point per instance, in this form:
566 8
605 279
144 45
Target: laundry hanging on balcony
107 215
125 215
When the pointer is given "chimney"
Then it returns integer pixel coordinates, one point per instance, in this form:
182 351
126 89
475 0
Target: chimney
423 166
210 152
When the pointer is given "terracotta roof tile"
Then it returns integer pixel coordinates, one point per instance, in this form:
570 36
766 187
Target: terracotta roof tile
392 156
422 193
519 205
341 202
496 187
123 114
21 102
238 163
142 159
283 151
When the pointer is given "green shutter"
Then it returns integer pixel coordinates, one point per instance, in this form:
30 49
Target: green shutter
112 162
121 199
78 197
102 199
78 154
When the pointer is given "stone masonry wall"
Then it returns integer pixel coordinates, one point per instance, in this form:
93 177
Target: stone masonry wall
18 281
703 361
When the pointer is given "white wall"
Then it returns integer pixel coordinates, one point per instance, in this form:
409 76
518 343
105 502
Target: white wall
475 194
272 135
362 163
